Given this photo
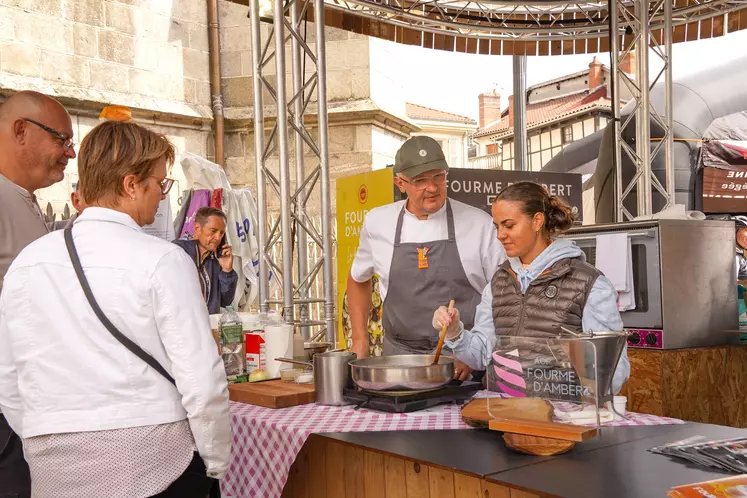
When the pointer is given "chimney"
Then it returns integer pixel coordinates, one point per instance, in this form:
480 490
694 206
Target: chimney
510 111
490 108
595 74
628 64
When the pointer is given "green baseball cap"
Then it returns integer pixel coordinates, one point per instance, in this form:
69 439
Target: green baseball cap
418 155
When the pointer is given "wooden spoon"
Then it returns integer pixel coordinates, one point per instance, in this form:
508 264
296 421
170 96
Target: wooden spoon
442 338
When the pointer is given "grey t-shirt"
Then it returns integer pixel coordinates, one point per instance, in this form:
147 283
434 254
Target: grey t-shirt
21 223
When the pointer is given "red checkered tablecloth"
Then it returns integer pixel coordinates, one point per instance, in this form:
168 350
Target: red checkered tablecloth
266 441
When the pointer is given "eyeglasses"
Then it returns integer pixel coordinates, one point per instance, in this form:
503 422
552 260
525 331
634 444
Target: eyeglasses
66 142
165 185
421 183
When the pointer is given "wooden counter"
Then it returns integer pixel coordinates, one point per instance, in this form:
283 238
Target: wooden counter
327 468
476 464
707 385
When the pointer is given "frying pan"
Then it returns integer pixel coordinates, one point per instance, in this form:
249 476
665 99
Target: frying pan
411 372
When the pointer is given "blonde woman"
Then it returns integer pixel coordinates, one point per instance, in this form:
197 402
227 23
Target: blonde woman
95 417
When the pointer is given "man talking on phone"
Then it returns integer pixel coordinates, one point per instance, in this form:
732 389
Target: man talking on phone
213 258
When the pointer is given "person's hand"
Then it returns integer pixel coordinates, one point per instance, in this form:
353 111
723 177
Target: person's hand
461 370
226 260
445 317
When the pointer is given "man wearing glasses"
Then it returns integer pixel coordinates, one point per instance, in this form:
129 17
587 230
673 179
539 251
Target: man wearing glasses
36 143
426 250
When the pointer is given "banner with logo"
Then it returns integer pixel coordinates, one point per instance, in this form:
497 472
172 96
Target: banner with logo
356 196
479 187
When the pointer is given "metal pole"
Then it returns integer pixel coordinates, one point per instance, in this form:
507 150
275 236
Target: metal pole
520 114
643 147
215 86
668 105
301 241
282 142
321 67
615 87
259 131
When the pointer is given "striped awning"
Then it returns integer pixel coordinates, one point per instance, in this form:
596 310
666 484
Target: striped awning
506 27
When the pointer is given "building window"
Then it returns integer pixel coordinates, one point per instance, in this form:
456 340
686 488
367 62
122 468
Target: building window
455 155
567 134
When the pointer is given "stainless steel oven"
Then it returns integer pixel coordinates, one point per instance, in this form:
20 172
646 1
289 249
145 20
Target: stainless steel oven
684 277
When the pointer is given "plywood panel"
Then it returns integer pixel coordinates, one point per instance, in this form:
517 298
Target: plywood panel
495 47
327 468
335 469
644 387
579 46
531 48
706 28
374 474
440 483
466 486
508 47
299 474
395 477
492 490
355 482
718 26
515 493
287 490
666 383
679 31
472 45
733 22
693 374
604 44
416 476
317 478
461 44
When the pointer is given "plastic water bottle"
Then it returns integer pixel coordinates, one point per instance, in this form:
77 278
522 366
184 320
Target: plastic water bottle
231 331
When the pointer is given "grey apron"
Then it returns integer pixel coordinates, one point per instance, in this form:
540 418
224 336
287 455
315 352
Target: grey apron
416 288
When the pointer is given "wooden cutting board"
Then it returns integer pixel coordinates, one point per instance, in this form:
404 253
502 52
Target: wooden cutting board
526 423
272 393
476 413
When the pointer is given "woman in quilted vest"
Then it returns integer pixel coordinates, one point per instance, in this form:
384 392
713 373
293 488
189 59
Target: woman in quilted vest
544 285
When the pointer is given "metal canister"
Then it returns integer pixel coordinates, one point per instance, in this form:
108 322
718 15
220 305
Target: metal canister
332 376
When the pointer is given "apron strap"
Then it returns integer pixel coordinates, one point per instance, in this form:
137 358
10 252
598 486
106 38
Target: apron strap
400 220
450 222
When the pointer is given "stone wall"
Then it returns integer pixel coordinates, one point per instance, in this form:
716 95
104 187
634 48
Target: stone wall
152 56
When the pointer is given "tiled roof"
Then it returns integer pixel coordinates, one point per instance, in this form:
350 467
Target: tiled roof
551 110
415 111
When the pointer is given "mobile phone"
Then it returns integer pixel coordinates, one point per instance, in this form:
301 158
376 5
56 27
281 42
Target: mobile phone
223 242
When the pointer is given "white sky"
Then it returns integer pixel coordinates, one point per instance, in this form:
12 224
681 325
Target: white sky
452 81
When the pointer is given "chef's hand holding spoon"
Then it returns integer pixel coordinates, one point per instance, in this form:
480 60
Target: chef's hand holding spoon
449 318
445 317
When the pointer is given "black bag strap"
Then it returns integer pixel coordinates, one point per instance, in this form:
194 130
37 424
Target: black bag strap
123 339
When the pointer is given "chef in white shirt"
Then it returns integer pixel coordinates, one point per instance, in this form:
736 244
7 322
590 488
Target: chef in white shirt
426 250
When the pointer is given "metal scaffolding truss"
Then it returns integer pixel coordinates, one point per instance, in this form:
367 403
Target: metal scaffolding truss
293 227
641 154
510 20
507 27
